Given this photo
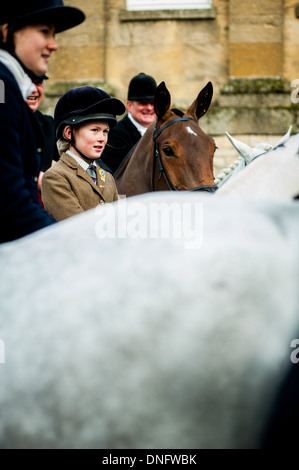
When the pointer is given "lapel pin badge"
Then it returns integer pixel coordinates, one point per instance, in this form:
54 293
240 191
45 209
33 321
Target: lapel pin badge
102 175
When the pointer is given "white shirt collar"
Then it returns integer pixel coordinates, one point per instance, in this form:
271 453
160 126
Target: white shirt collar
78 159
25 84
140 128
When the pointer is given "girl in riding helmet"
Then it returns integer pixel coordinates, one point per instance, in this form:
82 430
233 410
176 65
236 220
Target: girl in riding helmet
27 40
83 117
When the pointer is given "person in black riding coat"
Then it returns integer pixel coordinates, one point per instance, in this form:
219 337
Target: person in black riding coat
130 129
27 40
47 127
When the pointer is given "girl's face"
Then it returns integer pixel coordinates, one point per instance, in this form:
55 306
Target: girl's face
91 138
34 45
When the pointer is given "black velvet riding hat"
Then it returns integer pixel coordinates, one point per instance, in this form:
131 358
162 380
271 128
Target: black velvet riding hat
86 103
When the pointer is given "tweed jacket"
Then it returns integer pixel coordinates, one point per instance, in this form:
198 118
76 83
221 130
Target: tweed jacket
122 137
67 189
20 145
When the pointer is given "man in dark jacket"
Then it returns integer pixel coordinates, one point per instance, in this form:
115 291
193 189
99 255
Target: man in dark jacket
130 129
47 128
46 122
25 48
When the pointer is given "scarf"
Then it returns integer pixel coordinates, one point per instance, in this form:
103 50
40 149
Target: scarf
24 82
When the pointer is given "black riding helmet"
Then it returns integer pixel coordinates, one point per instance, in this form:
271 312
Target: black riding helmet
85 103
142 87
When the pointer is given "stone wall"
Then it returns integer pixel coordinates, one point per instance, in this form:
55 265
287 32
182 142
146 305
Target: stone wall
230 44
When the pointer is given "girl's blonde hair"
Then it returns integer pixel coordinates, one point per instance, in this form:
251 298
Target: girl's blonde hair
62 146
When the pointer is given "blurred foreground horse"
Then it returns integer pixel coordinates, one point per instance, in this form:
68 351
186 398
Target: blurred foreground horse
162 321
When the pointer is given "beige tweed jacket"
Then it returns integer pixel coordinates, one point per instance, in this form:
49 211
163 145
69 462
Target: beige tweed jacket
67 189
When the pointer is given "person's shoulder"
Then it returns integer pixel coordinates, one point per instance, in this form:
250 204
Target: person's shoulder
122 124
42 116
124 127
44 119
55 168
63 165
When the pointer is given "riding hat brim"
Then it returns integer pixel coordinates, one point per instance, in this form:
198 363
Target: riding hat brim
90 117
105 110
62 17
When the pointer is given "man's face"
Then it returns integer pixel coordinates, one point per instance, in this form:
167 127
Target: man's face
34 100
142 111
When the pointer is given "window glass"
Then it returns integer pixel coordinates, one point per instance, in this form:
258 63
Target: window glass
167 4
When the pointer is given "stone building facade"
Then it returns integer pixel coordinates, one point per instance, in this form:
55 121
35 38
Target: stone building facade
247 49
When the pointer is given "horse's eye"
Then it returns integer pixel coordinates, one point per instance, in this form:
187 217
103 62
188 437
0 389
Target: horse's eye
168 151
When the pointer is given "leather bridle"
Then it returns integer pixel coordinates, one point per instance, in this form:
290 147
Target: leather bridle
158 158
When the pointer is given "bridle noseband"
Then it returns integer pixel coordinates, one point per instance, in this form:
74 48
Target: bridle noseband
157 156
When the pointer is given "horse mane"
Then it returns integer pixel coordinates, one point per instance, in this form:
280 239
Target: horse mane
178 112
226 171
123 165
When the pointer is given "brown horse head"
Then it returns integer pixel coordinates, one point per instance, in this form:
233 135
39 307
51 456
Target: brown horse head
174 153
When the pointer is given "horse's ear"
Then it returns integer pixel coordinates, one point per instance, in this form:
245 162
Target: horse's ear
200 106
161 100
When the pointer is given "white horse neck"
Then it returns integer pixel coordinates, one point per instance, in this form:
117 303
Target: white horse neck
274 174
247 154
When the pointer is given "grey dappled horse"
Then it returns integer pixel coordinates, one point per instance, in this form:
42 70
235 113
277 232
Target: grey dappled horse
272 175
162 321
